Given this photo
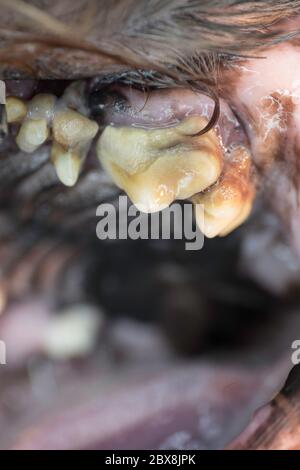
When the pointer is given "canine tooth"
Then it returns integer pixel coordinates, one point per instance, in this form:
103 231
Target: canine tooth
71 128
42 107
32 134
222 205
16 109
67 163
156 166
228 203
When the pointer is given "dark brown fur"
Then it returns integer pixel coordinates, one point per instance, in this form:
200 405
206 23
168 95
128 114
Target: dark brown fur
181 39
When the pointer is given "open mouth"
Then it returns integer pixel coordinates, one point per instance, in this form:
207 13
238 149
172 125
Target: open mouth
157 145
139 343
143 311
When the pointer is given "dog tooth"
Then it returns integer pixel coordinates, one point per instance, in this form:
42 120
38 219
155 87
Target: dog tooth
242 216
71 128
32 134
157 166
228 203
221 204
67 163
16 109
74 97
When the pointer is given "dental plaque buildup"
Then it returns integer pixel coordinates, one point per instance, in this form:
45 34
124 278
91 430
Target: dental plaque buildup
153 166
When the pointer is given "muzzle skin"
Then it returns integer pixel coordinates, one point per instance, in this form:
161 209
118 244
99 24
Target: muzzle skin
165 101
266 98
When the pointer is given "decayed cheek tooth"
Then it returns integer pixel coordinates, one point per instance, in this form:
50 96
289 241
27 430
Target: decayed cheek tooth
67 163
32 134
222 206
3 122
16 109
227 204
155 167
71 128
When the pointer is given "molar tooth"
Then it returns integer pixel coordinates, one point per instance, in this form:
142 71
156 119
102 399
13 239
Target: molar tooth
243 215
3 122
67 163
32 134
16 109
228 203
71 128
222 205
157 166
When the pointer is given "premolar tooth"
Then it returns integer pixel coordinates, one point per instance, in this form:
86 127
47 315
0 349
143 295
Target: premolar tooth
32 134
71 128
157 166
67 163
228 203
16 109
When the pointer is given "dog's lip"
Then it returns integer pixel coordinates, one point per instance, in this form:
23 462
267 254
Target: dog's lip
166 107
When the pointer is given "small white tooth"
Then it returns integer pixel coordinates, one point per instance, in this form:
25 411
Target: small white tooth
71 128
67 163
157 166
210 224
16 109
32 134
42 107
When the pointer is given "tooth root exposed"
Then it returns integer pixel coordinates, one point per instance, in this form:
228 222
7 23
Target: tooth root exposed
32 134
16 109
67 163
228 203
71 128
155 167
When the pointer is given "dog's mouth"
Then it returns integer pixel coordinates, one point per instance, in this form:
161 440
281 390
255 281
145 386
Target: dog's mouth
154 330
